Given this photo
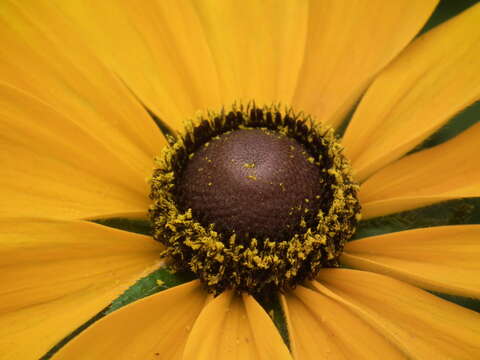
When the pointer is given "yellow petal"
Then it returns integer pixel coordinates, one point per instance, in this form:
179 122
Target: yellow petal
448 171
434 78
348 43
42 55
198 54
321 328
423 326
443 258
257 46
157 47
51 167
234 327
155 327
57 274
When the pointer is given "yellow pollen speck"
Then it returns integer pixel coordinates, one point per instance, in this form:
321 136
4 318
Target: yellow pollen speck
251 177
210 184
160 282
249 166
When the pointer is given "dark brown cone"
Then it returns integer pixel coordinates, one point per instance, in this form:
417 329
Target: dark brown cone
252 181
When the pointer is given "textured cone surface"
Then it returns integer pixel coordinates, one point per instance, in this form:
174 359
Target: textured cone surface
257 182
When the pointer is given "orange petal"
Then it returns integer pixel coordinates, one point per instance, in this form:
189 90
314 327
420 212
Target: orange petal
432 80
348 43
51 167
321 328
234 327
43 56
423 326
448 171
57 274
155 327
444 258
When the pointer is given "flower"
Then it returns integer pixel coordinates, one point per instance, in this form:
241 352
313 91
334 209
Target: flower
77 144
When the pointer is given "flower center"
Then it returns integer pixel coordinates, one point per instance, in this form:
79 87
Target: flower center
253 182
253 199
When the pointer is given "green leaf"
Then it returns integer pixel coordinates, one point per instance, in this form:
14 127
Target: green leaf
157 281
139 226
455 212
445 10
274 309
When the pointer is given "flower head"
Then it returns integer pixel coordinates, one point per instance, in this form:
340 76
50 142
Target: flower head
256 201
